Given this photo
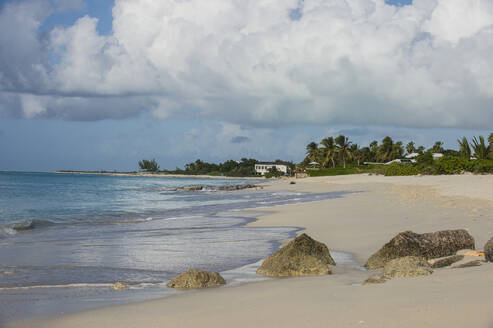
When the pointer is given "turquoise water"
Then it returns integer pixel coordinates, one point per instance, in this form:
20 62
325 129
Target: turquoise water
64 239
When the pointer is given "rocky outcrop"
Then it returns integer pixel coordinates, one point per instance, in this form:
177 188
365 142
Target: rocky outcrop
426 245
488 250
303 256
445 261
406 267
239 187
196 279
193 188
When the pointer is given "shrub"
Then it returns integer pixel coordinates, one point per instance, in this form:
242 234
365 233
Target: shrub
398 169
451 165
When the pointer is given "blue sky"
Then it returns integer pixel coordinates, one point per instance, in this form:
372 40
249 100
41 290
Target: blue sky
76 93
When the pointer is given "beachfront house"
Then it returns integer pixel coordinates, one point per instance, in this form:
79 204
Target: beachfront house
262 168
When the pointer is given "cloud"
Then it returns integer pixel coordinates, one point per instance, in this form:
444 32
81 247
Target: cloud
256 62
240 139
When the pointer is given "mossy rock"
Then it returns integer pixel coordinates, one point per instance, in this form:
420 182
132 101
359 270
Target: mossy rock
426 245
406 267
374 280
488 251
196 279
303 256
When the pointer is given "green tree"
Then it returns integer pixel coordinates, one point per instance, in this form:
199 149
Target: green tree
410 147
342 146
149 166
464 148
397 150
312 152
357 153
490 146
385 151
437 147
273 172
329 151
481 151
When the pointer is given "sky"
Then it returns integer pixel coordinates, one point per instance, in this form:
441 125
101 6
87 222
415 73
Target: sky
100 84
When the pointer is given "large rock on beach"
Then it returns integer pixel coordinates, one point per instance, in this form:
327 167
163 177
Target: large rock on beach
406 267
427 245
445 261
303 256
488 251
196 279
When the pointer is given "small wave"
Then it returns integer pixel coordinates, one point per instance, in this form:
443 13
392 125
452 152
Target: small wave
13 228
84 285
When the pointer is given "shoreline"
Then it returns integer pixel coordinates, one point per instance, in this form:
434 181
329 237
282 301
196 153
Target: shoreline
358 223
159 175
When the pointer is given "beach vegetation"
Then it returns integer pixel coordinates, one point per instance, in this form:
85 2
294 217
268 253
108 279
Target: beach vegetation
149 165
399 169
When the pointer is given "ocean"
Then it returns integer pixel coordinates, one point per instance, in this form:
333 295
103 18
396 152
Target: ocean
65 238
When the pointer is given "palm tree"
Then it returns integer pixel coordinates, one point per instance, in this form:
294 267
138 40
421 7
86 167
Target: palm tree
480 149
490 141
329 151
312 151
356 152
397 150
437 147
410 147
342 145
464 148
385 150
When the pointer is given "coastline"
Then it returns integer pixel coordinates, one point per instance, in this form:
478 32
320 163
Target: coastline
358 223
158 175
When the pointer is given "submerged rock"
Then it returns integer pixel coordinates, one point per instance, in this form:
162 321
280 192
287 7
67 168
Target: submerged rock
119 286
193 188
445 261
426 245
303 256
196 279
488 250
406 267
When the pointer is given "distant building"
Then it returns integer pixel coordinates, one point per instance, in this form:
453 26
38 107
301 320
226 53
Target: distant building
263 167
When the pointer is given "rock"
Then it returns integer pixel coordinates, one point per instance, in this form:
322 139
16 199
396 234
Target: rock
469 264
192 188
488 251
292 182
427 245
445 261
119 285
406 267
196 279
374 280
303 256
468 252
238 187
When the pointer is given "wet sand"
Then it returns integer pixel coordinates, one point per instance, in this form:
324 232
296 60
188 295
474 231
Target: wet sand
359 223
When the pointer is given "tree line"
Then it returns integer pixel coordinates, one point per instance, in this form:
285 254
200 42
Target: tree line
339 151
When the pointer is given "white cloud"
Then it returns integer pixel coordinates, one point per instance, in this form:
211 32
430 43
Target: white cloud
247 62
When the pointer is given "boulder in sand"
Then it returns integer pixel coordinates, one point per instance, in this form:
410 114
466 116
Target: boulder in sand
196 279
488 251
426 245
406 267
303 256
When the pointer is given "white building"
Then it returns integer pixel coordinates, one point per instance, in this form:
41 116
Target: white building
263 167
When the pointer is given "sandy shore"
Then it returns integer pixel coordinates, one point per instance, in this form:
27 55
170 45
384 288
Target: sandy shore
359 223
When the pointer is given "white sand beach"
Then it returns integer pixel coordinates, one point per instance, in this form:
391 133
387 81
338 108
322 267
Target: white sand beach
359 223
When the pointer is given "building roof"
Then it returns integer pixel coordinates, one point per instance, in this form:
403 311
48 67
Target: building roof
269 163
